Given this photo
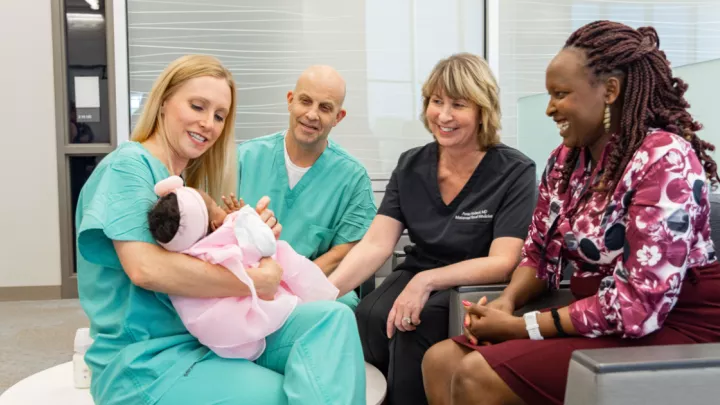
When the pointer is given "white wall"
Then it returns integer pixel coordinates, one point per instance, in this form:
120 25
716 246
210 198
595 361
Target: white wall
29 222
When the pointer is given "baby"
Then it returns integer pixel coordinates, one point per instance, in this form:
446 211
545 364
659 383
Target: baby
202 217
187 220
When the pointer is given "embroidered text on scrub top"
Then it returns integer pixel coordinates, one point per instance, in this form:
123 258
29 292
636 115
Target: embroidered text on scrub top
474 215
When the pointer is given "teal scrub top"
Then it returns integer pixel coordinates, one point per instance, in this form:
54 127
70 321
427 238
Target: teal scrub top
141 346
331 205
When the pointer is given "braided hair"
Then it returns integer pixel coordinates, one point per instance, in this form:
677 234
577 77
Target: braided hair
653 98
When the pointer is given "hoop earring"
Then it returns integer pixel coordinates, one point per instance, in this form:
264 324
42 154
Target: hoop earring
606 119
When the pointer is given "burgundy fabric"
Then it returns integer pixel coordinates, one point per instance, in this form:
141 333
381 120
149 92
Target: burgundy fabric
537 370
641 238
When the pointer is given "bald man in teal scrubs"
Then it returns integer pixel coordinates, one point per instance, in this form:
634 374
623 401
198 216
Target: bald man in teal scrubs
320 194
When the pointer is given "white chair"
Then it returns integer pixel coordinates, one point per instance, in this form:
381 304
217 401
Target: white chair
54 386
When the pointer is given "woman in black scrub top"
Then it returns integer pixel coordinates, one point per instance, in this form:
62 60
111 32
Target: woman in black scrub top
466 201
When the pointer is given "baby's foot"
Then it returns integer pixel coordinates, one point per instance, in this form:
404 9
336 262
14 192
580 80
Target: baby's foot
250 229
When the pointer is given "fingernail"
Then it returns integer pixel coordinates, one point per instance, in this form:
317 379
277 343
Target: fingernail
466 323
466 303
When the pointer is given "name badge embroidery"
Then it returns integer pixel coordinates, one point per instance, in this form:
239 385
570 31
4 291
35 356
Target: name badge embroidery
473 215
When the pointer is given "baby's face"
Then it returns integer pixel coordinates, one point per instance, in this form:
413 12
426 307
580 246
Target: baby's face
215 213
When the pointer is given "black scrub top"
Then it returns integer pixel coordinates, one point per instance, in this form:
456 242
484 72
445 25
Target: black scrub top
497 201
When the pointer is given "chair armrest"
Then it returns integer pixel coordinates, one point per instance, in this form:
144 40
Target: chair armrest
473 293
398 257
686 374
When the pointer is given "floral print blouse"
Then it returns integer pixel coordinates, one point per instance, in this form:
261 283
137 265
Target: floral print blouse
641 241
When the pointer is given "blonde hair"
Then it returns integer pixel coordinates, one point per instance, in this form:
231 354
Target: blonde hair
467 76
216 170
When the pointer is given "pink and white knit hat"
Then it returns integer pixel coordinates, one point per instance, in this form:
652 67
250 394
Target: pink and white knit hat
193 213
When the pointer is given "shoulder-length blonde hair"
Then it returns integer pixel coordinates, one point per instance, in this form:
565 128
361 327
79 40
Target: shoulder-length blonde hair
467 76
216 170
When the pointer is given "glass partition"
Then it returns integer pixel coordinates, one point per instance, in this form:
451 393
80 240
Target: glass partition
384 50
538 135
531 32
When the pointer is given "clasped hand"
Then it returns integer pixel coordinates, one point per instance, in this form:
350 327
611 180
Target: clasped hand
492 323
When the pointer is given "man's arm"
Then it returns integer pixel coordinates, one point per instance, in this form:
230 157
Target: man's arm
329 261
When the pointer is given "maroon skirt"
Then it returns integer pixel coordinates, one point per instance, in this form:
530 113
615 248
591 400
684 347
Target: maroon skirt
536 370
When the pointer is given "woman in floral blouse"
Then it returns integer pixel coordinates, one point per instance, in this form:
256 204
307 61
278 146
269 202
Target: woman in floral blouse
624 202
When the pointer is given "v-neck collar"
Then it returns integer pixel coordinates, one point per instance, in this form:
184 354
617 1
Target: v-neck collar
588 177
435 157
145 150
317 167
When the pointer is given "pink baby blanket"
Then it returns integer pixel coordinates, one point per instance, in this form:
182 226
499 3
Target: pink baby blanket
236 327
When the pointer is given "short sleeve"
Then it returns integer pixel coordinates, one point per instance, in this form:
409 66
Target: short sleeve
113 206
390 205
359 213
514 215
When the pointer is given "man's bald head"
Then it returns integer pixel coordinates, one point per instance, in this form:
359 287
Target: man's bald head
315 106
323 78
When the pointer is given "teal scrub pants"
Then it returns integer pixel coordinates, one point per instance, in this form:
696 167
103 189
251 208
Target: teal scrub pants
350 299
316 358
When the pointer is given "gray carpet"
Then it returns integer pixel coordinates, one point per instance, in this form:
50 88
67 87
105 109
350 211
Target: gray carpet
35 335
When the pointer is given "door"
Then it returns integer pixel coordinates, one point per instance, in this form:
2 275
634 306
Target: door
85 108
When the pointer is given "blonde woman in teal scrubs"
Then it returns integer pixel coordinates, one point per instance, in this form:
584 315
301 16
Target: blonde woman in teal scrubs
142 352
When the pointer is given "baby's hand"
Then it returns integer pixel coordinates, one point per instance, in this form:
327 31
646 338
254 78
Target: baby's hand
232 204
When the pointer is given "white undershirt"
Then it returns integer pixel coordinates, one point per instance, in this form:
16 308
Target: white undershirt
294 172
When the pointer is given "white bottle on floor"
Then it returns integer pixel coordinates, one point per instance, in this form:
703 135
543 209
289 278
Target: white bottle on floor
81 372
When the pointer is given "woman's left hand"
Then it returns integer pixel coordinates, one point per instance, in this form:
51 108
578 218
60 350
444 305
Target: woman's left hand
493 325
408 305
268 216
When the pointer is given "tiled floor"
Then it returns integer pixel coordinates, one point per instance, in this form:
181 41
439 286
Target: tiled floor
35 335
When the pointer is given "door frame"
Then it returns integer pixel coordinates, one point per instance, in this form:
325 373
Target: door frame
65 150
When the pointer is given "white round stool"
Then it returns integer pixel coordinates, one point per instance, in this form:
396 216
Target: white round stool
375 385
51 386
54 386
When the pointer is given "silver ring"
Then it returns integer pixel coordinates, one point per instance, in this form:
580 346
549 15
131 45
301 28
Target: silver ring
407 320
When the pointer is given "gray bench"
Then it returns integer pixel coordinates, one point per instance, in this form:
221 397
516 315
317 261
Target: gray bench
678 374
